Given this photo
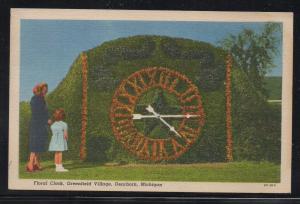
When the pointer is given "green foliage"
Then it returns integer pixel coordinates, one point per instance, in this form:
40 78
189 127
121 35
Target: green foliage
98 147
67 95
110 53
106 67
162 103
256 125
187 49
137 47
273 87
254 52
99 98
250 172
209 66
25 115
211 144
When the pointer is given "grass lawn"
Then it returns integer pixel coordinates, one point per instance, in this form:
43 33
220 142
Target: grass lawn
206 172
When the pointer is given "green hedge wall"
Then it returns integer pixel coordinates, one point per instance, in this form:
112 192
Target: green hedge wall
25 114
256 124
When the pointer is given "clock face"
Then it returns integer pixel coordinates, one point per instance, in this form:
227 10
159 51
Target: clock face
157 114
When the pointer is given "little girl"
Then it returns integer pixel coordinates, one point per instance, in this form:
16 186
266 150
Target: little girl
58 142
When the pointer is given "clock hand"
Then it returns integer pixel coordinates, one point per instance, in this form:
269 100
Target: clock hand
140 116
179 116
151 110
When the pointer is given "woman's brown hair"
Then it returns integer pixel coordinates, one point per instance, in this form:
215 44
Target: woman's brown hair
59 114
38 89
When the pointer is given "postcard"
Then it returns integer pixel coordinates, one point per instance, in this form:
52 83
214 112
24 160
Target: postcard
152 101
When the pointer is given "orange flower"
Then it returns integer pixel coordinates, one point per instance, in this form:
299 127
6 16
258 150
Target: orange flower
84 107
229 141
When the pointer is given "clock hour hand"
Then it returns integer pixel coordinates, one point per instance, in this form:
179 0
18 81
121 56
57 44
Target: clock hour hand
151 110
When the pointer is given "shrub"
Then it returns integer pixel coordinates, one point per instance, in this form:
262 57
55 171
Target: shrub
25 115
128 49
256 124
209 67
97 148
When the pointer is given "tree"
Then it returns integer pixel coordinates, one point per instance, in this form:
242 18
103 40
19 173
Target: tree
256 124
254 52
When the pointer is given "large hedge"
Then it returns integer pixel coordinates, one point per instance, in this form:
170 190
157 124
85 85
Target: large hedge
256 125
25 114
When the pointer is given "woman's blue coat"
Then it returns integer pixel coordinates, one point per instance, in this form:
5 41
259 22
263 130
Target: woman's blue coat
38 132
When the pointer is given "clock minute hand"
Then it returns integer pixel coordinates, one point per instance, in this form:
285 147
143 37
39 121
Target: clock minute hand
151 110
137 116
179 116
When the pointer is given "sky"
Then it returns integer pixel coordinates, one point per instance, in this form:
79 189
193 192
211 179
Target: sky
49 47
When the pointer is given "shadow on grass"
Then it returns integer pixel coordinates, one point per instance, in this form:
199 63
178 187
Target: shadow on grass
81 165
71 165
44 167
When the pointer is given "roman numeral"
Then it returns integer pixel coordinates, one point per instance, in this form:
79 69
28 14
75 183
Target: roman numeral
188 95
127 137
128 132
124 124
192 110
121 122
141 80
152 74
136 143
124 93
121 106
134 84
122 115
177 148
154 149
159 151
164 79
188 134
144 151
173 85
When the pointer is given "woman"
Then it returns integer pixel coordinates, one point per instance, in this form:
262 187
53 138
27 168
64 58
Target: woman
38 132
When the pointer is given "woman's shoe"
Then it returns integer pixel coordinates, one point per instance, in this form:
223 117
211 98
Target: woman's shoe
38 168
29 170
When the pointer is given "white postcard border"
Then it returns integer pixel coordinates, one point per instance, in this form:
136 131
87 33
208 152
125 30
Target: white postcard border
286 19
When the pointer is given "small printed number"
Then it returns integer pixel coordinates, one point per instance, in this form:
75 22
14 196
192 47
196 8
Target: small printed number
269 185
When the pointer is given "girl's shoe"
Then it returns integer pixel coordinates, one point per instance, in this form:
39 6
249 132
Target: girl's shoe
61 169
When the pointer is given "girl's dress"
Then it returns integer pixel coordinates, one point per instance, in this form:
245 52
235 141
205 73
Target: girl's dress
58 142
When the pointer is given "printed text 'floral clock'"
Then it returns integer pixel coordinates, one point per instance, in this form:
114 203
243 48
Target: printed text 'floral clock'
157 114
